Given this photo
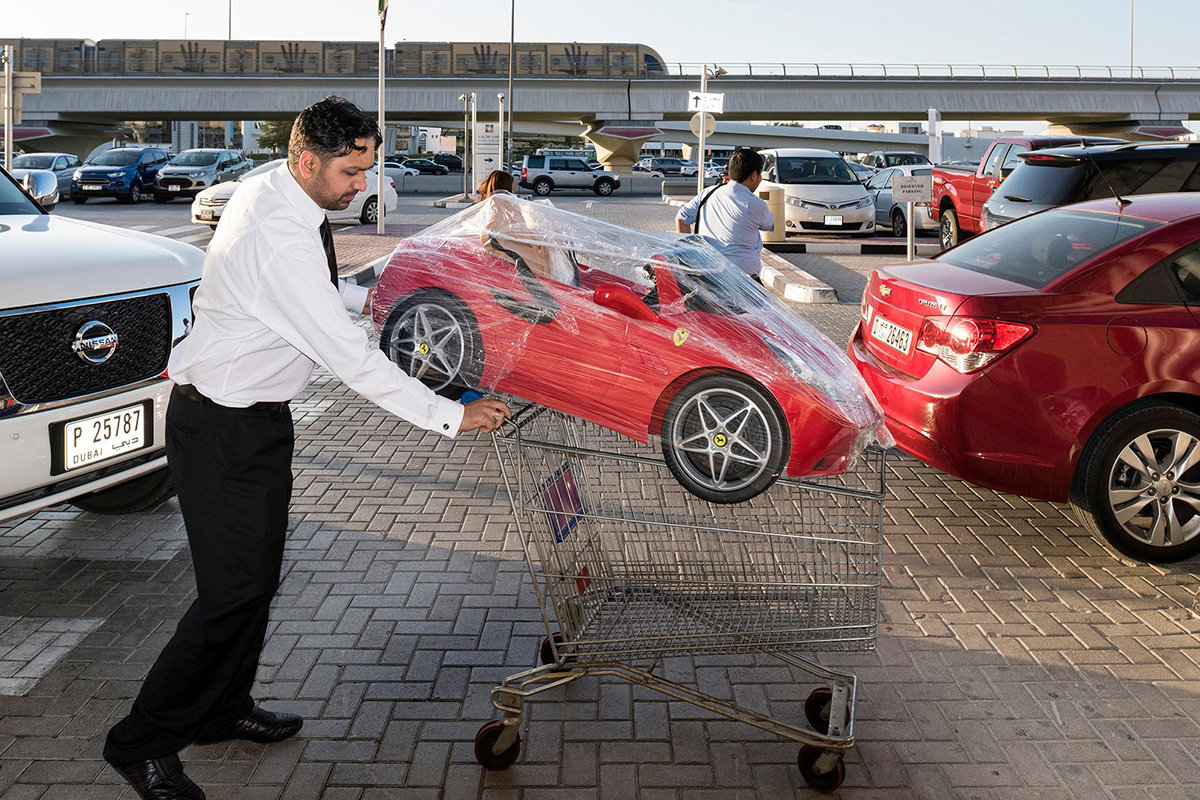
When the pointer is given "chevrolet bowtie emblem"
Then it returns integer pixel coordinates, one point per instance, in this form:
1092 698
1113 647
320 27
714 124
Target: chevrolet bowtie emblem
884 290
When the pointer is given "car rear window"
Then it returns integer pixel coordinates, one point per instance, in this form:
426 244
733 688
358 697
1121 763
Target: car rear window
535 162
1041 248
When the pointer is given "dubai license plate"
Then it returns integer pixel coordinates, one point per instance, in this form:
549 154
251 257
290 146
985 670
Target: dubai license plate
206 213
114 433
90 188
833 219
172 188
891 334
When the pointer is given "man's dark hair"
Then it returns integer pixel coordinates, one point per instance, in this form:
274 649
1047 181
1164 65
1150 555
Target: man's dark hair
743 164
330 129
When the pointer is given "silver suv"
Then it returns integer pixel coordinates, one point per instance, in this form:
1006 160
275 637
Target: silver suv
194 170
544 174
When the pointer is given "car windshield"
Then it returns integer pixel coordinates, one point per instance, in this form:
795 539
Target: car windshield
194 160
267 167
116 158
33 162
12 199
903 159
1041 248
814 169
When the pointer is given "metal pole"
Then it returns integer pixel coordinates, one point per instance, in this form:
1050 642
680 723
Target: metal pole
381 176
912 232
185 16
500 100
9 104
700 158
474 144
466 150
512 57
1131 38
230 34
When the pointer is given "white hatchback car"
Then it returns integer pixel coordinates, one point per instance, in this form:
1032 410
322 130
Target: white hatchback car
88 316
364 208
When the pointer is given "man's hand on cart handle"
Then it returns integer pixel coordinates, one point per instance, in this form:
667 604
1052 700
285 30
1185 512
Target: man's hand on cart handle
484 415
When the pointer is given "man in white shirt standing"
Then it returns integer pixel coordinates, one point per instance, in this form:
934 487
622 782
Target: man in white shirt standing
731 216
268 309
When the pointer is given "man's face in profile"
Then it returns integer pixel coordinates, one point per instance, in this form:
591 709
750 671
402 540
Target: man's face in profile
340 179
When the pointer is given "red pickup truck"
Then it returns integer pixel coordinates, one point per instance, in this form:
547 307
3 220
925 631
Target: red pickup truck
959 193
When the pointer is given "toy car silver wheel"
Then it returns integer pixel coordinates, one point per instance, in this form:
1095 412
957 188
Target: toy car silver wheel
724 439
1138 482
434 337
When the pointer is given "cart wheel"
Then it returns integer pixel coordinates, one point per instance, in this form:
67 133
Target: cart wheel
546 652
816 709
486 739
807 759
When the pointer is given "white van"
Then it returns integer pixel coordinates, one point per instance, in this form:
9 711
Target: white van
821 192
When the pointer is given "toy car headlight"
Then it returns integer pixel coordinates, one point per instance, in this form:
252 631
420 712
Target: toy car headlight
803 371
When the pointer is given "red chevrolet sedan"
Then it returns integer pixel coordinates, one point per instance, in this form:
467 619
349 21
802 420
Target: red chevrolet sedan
1056 357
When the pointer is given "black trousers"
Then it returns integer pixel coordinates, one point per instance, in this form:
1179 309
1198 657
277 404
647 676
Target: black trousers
232 469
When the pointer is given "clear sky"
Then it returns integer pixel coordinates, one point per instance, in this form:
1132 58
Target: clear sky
1025 32
866 31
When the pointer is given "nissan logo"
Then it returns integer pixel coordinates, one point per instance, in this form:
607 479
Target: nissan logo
94 342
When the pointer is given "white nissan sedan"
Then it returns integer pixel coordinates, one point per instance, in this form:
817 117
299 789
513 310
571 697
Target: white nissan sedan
364 208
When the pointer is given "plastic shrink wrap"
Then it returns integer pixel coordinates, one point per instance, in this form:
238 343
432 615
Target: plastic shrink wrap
646 334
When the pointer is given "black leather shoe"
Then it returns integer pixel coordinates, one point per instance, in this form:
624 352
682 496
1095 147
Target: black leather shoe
160 779
264 727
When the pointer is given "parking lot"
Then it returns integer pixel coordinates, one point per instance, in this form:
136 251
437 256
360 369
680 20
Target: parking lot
1016 654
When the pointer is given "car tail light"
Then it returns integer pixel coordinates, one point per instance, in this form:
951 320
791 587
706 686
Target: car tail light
524 174
967 343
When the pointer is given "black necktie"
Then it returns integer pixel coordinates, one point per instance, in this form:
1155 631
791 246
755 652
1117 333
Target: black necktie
327 243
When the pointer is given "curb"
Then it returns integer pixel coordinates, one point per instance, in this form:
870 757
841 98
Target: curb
792 284
367 272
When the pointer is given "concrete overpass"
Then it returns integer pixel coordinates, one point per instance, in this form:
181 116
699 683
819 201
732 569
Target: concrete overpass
1091 103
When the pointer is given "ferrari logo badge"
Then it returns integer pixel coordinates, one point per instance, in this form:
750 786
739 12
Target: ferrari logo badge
424 348
680 336
884 290
719 440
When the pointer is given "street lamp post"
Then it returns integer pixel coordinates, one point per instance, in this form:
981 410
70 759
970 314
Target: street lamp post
466 143
500 100
185 16
380 175
717 72
229 34
1131 38
512 57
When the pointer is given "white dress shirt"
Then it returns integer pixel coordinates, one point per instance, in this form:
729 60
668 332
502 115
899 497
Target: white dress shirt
266 312
730 221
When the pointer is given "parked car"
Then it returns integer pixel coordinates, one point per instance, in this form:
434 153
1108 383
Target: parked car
1057 177
645 334
449 161
397 171
821 193
88 314
881 159
193 170
125 173
892 214
364 208
425 166
63 165
960 192
640 167
1056 357
544 174
861 171
670 166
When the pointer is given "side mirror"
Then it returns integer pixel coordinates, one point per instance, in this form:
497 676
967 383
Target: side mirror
42 185
622 300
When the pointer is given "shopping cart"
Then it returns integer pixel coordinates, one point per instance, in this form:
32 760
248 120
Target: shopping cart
629 568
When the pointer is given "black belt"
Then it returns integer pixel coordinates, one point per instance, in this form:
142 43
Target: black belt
190 393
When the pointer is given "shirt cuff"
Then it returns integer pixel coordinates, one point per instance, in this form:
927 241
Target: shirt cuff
354 297
447 417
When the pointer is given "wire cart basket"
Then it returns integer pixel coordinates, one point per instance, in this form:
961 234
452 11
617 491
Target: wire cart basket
630 568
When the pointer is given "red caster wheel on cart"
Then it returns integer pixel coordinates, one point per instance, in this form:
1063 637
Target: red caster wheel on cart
546 652
816 709
485 740
821 781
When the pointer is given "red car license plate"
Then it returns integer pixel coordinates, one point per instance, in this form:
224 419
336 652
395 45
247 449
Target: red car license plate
891 334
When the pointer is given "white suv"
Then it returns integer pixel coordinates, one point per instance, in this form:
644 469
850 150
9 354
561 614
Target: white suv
88 316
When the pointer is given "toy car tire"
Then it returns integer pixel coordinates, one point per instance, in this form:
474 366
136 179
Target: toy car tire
460 357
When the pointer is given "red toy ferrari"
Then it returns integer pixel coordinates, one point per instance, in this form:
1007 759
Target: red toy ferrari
645 334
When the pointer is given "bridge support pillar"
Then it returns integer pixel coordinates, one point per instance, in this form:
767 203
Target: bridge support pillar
1135 130
618 143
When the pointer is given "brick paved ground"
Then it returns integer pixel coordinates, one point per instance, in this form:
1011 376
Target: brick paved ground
1017 655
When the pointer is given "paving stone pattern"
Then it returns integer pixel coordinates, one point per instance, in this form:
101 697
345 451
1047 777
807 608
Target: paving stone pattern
1017 655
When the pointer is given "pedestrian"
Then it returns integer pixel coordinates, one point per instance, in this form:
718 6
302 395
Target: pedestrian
269 307
497 181
730 216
